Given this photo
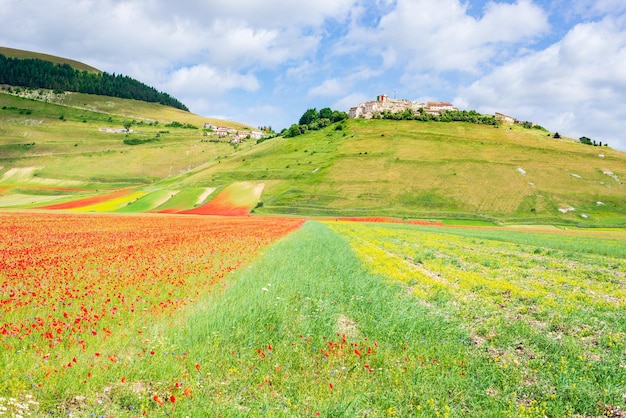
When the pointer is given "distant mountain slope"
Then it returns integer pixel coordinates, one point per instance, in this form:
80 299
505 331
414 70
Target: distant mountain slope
38 72
18 53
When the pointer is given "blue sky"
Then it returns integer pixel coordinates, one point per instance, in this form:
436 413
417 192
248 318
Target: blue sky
559 63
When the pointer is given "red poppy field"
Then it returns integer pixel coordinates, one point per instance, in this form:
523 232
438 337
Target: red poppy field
77 291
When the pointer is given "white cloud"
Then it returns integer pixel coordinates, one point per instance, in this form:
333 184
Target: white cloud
267 13
576 86
233 33
350 100
302 71
339 86
593 8
205 80
329 88
440 35
236 56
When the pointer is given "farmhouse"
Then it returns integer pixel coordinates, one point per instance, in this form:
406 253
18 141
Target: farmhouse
221 131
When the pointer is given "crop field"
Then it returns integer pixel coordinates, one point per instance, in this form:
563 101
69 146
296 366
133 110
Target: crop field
182 315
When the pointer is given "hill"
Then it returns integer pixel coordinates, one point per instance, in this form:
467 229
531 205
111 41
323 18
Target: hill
432 170
21 54
51 153
30 70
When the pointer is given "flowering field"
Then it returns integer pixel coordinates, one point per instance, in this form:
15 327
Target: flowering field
89 201
152 315
78 292
545 310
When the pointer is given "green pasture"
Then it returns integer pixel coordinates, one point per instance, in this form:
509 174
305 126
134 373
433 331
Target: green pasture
67 142
181 200
430 170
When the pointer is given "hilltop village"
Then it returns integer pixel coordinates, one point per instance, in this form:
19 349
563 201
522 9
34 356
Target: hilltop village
384 103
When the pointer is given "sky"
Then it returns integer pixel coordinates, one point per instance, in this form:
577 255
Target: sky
558 63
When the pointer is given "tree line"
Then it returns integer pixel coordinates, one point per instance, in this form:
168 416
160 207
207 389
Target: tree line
37 73
470 116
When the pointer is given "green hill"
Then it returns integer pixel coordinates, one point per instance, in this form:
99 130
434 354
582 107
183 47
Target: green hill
28 70
21 54
431 170
60 150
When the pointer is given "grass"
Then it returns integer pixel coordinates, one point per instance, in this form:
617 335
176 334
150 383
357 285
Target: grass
412 169
181 200
76 148
148 202
102 287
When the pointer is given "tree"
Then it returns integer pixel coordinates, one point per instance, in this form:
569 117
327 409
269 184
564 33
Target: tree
294 130
338 116
309 116
326 113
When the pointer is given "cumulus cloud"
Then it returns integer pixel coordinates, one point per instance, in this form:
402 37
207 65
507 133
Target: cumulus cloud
205 80
233 44
329 88
576 85
353 99
267 13
440 35
593 8
235 34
